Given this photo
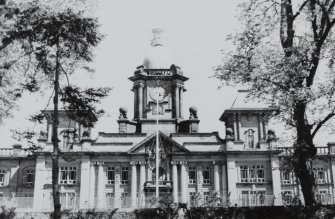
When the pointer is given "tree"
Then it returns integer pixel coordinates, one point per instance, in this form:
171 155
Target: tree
56 44
285 56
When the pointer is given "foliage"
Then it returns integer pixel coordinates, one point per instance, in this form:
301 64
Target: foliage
283 55
7 213
273 212
92 214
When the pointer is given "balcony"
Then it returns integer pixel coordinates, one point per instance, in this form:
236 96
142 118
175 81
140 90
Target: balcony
289 150
160 184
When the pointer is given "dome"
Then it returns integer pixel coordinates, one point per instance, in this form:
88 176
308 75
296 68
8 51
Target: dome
159 57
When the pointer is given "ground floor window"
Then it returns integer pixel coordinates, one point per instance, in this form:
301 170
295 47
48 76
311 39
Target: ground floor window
323 196
67 199
253 198
110 199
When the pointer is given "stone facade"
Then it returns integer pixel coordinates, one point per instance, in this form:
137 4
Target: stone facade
118 170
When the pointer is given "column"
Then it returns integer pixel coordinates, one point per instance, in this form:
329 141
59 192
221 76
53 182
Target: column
183 181
216 179
181 92
133 184
265 125
144 114
177 101
117 191
224 181
84 182
235 126
92 186
238 115
260 128
101 185
142 181
135 102
40 180
175 181
140 101
276 180
232 180
332 166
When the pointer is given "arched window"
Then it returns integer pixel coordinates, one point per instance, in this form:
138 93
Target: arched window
249 139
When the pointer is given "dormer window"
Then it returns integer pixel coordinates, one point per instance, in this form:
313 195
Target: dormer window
249 139
68 138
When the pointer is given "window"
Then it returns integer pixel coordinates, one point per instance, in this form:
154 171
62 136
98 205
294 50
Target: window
3 178
110 175
67 199
125 201
287 197
192 175
206 175
124 175
320 175
207 198
29 177
68 175
110 199
253 198
68 138
249 138
252 174
192 199
244 173
323 196
285 177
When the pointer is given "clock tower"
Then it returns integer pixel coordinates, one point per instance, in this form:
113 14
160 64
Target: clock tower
158 79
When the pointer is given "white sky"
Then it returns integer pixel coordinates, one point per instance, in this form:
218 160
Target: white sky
196 33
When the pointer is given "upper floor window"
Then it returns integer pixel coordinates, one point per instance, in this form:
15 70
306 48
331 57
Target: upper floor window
285 177
206 175
124 175
319 175
3 178
68 175
110 175
253 173
249 139
192 175
68 138
29 175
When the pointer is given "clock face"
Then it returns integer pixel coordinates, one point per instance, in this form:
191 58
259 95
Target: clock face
157 93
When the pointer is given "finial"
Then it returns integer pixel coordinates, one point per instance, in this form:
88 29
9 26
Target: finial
158 39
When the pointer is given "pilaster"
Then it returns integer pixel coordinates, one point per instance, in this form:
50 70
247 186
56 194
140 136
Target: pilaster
101 186
142 181
232 180
117 191
91 190
224 180
133 184
177 101
140 100
175 181
216 178
181 99
276 180
183 184
84 182
39 183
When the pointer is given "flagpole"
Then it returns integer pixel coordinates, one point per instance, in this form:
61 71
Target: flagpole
157 148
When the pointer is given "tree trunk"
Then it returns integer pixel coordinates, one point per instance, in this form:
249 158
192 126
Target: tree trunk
304 151
55 141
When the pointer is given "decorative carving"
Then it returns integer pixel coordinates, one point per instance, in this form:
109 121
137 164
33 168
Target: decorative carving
271 135
87 133
123 113
229 133
193 112
43 135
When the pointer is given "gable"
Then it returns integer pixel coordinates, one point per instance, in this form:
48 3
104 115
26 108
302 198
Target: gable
166 144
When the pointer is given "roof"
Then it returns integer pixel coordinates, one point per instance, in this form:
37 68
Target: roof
243 103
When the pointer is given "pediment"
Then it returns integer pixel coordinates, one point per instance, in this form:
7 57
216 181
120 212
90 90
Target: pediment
166 145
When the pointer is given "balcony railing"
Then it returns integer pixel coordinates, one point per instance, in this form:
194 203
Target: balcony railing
160 183
17 202
289 150
12 152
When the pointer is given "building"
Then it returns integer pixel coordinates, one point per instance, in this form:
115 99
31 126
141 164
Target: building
118 170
